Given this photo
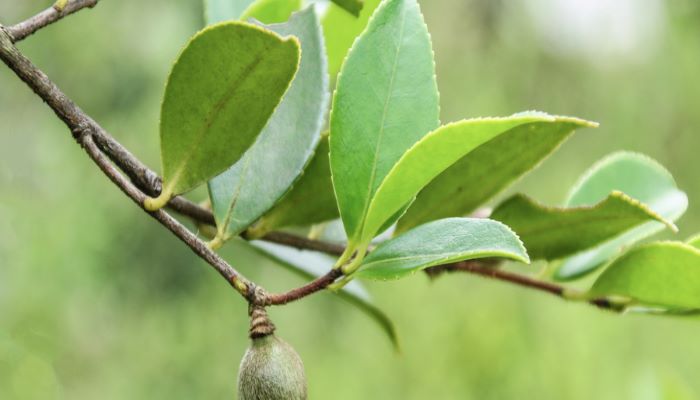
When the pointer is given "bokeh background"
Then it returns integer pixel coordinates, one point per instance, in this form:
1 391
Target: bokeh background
98 302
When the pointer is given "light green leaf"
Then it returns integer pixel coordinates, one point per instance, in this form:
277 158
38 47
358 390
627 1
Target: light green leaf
385 101
441 242
352 6
695 241
555 232
485 172
253 185
639 177
224 10
340 30
272 11
436 152
662 274
310 201
203 128
310 265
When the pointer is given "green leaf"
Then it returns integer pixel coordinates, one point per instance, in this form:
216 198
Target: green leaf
662 274
310 265
436 152
253 185
310 201
341 29
555 232
272 11
485 172
203 127
639 177
440 242
224 10
695 241
352 6
385 101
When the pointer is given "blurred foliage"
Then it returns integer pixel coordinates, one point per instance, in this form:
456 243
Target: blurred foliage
97 301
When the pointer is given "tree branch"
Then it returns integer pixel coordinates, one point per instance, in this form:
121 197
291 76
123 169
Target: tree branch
47 17
489 271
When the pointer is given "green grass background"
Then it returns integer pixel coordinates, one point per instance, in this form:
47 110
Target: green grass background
98 302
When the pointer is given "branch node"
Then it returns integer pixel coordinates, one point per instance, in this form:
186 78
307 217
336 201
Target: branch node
260 323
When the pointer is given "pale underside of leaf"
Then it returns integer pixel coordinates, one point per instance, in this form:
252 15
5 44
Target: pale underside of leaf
555 232
440 242
639 177
224 10
270 167
662 274
386 100
311 200
436 152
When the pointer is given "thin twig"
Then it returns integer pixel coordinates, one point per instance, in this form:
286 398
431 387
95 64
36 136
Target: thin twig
47 17
489 271
303 243
312 287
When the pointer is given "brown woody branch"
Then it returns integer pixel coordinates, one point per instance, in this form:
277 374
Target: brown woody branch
45 18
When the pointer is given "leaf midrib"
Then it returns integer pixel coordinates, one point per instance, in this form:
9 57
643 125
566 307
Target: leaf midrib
372 178
216 111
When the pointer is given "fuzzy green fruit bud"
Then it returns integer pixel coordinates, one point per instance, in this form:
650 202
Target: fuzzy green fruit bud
271 369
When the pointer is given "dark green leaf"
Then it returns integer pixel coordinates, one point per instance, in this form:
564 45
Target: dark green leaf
352 6
311 265
663 274
253 185
386 100
441 242
203 128
485 172
639 177
310 201
436 152
555 232
272 11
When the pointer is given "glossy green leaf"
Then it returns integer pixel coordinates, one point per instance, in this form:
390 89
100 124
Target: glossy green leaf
310 201
436 152
441 242
253 185
272 11
385 101
555 232
485 172
224 10
662 274
694 241
340 30
203 128
639 177
310 265
352 6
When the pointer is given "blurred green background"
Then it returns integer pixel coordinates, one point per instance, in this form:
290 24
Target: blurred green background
98 302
